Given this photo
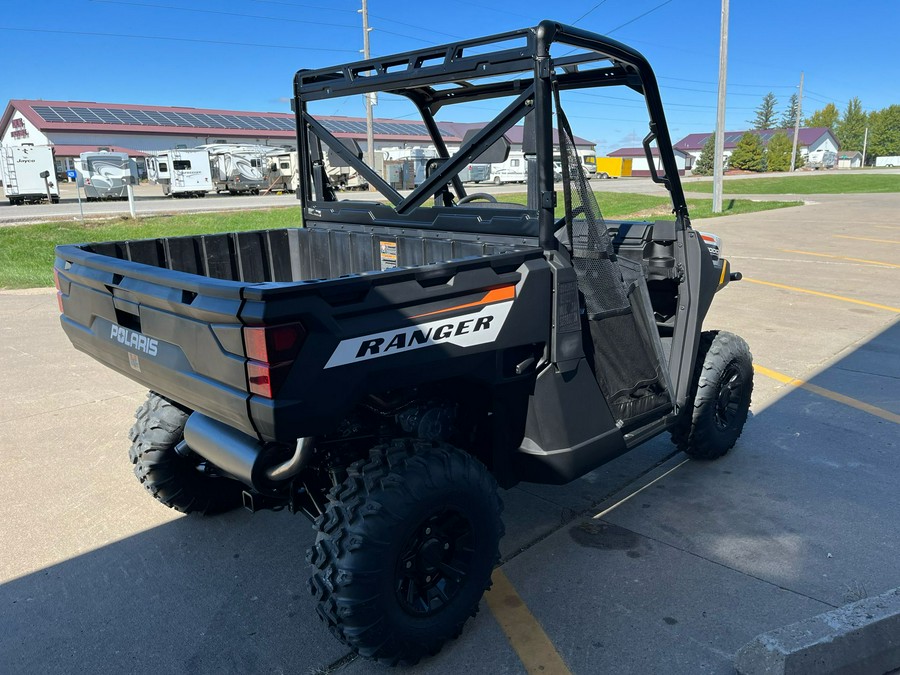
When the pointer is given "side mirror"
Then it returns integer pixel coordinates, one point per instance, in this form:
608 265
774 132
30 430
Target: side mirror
495 154
44 174
335 160
529 138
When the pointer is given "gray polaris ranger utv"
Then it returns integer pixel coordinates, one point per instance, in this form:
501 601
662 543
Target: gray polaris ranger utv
384 366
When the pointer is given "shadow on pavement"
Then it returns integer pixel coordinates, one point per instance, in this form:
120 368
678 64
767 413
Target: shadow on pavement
800 516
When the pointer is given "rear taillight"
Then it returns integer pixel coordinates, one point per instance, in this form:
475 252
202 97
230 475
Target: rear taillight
58 290
270 352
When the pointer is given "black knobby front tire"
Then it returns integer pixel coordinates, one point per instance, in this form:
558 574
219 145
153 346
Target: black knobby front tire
175 480
717 409
405 550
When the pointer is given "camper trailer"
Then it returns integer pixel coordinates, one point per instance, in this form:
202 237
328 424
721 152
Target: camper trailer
181 173
284 171
29 173
106 175
513 170
238 168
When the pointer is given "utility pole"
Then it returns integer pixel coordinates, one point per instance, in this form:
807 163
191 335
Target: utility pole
797 124
865 145
370 132
719 164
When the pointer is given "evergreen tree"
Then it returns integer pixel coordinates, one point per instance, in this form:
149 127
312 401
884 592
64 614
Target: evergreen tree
789 117
765 113
826 117
851 129
749 154
706 160
884 132
778 153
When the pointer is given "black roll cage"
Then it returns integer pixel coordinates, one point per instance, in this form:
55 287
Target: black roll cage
414 74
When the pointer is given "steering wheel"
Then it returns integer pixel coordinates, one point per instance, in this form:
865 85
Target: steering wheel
477 195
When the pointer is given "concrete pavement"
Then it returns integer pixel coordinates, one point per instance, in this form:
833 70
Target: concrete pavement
798 519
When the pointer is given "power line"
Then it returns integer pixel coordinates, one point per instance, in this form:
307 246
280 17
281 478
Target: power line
602 2
220 13
353 11
641 16
176 39
759 86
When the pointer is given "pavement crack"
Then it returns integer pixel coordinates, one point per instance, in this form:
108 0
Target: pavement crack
868 372
334 666
67 407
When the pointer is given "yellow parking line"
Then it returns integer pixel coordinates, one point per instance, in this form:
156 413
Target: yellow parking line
825 295
525 634
880 241
840 257
827 393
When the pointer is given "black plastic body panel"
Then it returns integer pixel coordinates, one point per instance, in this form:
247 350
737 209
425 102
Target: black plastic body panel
119 297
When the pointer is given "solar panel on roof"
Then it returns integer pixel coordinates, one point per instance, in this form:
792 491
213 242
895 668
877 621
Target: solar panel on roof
142 117
47 113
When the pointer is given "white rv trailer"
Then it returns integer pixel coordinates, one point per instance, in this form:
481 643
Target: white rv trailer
888 161
181 173
513 170
284 171
238 168
106 175
21 167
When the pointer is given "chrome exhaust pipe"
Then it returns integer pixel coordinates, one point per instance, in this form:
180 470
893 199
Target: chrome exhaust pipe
295 464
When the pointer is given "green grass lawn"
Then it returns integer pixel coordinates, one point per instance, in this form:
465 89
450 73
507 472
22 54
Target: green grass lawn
833 183
26 251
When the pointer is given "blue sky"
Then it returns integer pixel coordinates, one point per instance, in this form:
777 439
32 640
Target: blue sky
241 54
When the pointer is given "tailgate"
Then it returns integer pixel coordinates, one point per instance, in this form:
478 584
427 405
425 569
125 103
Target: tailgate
175 333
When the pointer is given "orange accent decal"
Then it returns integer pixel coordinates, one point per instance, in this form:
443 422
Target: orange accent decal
496 295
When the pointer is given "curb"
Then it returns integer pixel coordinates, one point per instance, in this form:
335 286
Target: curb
860 638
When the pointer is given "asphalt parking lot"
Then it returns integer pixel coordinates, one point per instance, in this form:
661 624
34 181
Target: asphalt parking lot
649 564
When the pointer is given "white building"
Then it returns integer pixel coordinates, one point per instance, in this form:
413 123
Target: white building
810 139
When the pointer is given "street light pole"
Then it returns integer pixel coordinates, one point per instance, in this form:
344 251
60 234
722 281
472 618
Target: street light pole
797 125
370 132
719 160
865 145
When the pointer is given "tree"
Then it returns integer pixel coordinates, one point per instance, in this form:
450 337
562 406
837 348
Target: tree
778 153
749 154
765 113
706 160
826 117
789 117
851 128
884 132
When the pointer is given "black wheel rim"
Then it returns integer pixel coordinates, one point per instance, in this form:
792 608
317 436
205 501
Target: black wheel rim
728 400
434 562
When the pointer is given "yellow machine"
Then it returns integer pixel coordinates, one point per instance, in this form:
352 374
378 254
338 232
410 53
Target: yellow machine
613 167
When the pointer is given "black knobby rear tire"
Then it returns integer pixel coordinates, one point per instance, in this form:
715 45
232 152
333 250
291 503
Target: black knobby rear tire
177 481
714 416
405 550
